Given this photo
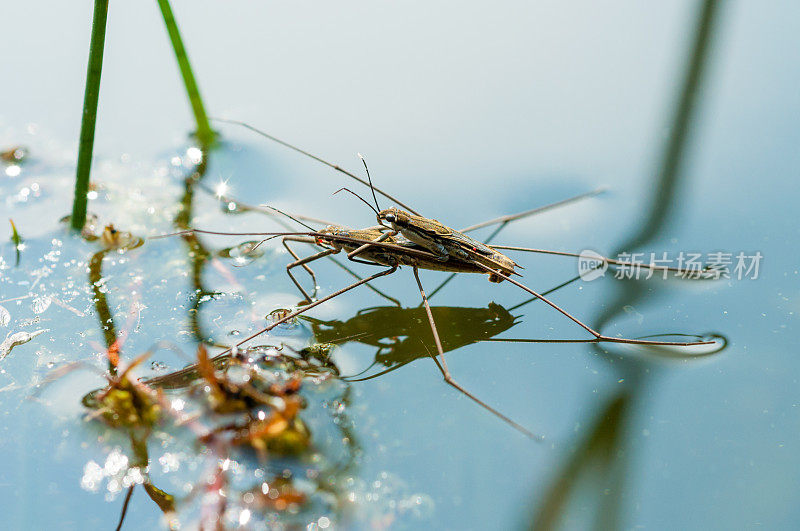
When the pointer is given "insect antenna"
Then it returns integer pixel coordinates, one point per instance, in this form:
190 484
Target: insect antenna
369 179
358 196
218 233
309 227
312 156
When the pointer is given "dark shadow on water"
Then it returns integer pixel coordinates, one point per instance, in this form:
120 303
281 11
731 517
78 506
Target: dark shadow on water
403 335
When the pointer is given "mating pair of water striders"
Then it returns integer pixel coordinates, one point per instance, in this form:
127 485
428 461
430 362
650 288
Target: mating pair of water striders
403 237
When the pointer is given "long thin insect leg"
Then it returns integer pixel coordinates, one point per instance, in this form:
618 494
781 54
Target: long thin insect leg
383 237
503 221
241 205
706 272
370 286
513 217
598 336
303 262
218 233
305 308
548 292
446 372
288 317
311 241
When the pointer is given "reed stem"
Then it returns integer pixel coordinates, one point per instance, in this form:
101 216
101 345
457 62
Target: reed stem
205 135
90 99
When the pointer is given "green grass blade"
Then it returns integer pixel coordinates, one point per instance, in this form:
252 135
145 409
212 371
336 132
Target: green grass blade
205 135
90 99
16 239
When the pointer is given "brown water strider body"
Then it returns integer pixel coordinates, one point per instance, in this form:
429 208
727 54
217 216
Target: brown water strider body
447 243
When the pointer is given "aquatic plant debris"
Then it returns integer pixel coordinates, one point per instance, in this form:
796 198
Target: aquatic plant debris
16 339
14 155
16 239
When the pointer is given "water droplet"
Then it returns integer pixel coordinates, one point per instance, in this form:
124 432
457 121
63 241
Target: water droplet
13 170
420 505
242 254
92 476
195 155
232 207
40 304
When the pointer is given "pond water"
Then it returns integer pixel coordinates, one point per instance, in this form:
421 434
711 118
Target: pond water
466 115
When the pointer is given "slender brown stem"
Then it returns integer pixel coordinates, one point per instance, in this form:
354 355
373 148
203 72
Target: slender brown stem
125 507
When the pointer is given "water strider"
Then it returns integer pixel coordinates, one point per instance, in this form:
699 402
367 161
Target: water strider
422 243
452 249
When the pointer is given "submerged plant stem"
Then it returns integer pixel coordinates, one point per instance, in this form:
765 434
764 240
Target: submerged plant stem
90 99
204 132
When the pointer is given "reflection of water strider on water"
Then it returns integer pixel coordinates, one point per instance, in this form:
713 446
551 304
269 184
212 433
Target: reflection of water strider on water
403 335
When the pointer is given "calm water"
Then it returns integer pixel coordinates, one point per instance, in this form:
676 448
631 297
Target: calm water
466 114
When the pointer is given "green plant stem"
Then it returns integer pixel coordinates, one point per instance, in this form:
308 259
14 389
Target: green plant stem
90 98
16 239
204 132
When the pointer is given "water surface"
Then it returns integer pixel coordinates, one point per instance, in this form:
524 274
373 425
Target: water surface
467 114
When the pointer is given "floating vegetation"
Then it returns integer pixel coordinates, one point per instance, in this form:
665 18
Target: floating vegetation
41 304
112 239
16 239
14 155
125 403
282 316
90 226
15 339
243 413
